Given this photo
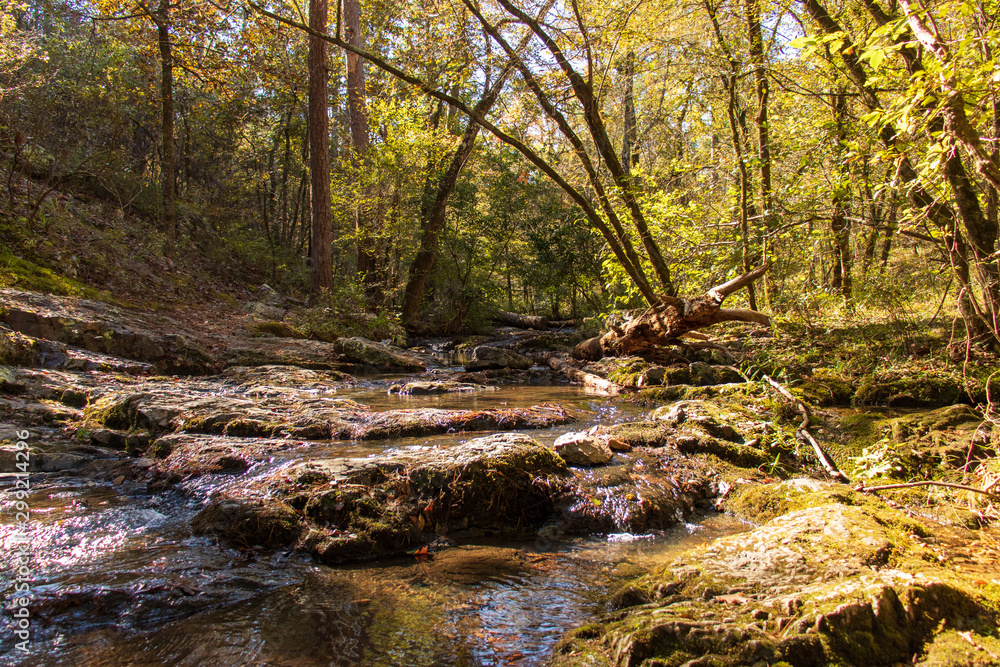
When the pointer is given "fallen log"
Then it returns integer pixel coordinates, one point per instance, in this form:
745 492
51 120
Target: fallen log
522 321
588 380
667 321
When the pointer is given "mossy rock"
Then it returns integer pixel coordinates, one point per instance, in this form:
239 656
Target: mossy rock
9 384
117 412
252 428
825 387
915 389
274 328
17 349
827 584
927 445
269 523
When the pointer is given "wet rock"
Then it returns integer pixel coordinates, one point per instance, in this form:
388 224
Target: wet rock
13 460
194 456
650 490
369 354
435 387
826 584
581 449
360 508
264 522
428 421
105 437
487 357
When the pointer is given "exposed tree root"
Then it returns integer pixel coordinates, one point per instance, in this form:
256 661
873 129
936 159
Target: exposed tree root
669 319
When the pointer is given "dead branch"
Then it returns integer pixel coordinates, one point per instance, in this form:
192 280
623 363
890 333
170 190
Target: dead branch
670 318
803 431
588 380
910 485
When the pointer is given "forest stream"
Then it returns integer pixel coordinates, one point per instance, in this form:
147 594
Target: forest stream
299 502
125 582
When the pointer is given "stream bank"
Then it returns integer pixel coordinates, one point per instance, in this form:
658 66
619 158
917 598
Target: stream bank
187 483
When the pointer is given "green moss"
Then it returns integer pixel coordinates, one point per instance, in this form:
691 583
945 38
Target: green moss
116 412
270 523
17 350
500 490
25 275
252 428
275 328
160 449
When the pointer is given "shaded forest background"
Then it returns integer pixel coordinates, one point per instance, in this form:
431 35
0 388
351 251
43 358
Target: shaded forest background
640 147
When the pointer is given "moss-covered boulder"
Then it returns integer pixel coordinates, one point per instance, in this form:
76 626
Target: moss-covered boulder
926 445
726 429
908 387
486 357
829 583
368 354
250 523
351 509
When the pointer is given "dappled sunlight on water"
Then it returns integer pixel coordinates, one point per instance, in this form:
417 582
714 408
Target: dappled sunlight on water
125 583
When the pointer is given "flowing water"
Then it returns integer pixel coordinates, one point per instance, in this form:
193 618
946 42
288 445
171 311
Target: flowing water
120 580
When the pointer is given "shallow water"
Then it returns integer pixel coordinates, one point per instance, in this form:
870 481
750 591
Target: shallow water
121 581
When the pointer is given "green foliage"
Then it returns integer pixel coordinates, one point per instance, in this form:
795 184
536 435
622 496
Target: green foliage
341 312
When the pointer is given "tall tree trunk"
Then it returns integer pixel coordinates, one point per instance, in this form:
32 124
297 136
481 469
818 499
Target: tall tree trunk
357 109
320 239
839 224
630 138
433 211
168 176
737 129
752 10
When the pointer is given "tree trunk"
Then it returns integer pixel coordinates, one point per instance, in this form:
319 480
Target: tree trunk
737 122
752 10
368 266
665 322
320 251
839 224
630 138
168 177
432 217
523 321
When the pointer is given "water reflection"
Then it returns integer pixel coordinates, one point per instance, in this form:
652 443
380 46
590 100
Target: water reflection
123 582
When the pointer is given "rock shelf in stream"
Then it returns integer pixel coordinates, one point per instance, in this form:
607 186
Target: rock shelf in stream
348 509
841 579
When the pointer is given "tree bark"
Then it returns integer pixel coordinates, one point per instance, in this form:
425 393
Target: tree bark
320 251
767 224
737 122
523 321
839 224
366 222
665 322
588 380
168 178
630 135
